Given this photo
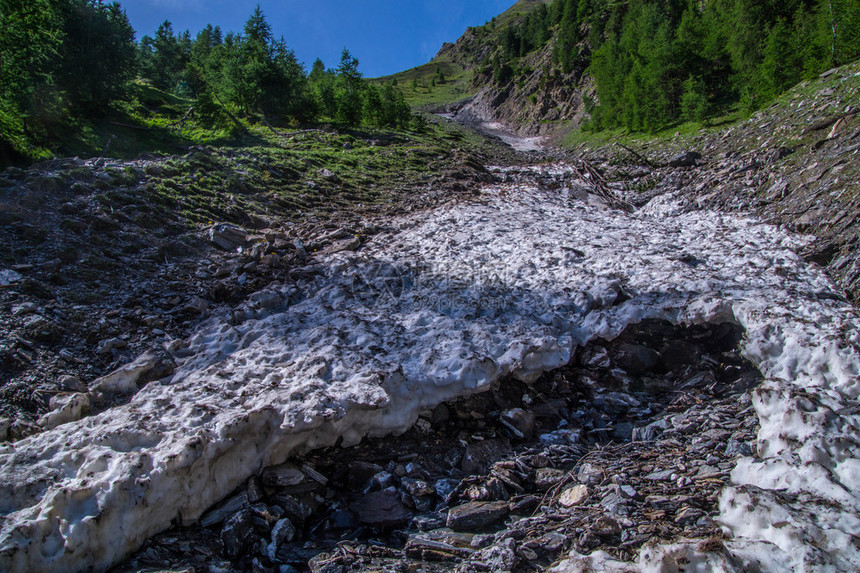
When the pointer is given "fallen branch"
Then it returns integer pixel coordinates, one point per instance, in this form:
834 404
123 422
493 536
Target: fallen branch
601 186
183 118
130 126
272 129
638 155
229 113
824 123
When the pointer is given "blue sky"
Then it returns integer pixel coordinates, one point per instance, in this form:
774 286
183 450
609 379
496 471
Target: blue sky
387 36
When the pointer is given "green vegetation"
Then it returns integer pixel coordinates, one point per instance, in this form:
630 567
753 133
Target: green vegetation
431 85
428 86
58 60
262 176
450 78
658 62
66 84
73 80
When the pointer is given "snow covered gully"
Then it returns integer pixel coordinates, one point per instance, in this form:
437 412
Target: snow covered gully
440 306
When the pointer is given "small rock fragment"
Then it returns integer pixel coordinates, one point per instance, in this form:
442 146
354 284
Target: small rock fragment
686 159
8 277
282 532
237 532
225 510
520 422
417 487
480 456
545 478
71 384
428 521
499 557
574 496
560 437
255 489
444 487
228 237
282 475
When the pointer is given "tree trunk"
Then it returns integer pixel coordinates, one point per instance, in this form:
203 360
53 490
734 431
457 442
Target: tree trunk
833 40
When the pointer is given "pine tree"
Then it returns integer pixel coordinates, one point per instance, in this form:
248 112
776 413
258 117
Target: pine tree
373 111
30 45
350 86
694 100
161 58
843 19
565 48
317 70
782 64
99 55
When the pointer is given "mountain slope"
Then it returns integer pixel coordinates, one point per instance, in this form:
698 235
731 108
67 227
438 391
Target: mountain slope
470 77
644 65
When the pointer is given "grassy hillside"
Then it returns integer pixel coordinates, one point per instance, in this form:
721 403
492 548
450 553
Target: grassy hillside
449 77
434 84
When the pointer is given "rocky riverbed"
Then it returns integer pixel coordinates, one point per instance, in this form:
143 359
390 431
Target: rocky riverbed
515 307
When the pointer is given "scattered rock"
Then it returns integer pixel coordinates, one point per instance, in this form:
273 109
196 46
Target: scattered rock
8 277
71 384
382 508
283 532
561 437
402 502
480 456
282 475
25 308
329 175
574 496
498 557
108 345
228 237
686 159
477 515
224 510
545 478
738 448
520 422
237 533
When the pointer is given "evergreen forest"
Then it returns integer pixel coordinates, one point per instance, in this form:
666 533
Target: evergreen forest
657 62
63 62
